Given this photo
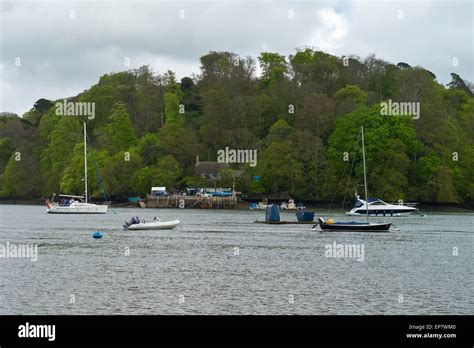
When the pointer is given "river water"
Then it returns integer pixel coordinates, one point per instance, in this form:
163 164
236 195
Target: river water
220 262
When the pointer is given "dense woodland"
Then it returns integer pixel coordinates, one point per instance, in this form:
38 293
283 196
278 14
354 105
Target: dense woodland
302 114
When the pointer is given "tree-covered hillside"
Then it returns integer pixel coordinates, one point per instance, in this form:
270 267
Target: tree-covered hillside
302 115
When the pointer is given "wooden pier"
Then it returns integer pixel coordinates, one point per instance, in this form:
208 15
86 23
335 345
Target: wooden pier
188 202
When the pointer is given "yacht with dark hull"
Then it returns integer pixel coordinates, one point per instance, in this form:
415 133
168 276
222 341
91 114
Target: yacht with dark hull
353 226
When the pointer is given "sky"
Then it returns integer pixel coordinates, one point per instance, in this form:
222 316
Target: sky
55 49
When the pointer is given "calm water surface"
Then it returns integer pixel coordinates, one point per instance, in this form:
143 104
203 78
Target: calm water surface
220 262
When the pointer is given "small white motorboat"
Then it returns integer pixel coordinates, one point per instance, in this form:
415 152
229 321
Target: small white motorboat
136 224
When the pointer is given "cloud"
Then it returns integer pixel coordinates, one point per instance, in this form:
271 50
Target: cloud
65 47
332 31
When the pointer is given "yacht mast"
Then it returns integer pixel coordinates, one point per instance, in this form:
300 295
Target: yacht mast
365 176
85 164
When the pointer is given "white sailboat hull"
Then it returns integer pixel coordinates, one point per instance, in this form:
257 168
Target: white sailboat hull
77 208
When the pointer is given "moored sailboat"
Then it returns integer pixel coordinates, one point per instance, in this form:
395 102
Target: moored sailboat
350 226
77 204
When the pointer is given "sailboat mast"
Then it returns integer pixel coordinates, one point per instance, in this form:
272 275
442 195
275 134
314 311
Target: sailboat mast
365 176
85 163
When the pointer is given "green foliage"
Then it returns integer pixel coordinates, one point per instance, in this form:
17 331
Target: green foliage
273 67
73 175
302 114
279 131
458 83
227 177
350 98
119 133
390 143
317 115
196 181
179 142
310 153
171 86
6 149
119 172
320 70
65 134
150 148
17 179
166 173
353 94
172 109
281 172
40 108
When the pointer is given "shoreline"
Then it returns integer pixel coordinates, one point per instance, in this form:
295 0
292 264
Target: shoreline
320 206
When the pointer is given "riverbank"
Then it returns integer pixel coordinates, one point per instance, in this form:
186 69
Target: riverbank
319 207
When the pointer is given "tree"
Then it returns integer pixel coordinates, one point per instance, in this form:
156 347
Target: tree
187 84
110 90
149 91
274 67
166 173
227 177
119 133
6 149
179 142
310 153
72 179
403 65
375 75
322 71
171 85
172 109
40 108
66 132
390 143
120 170
150 148
458 83
281 172
279 131
350 98
17 179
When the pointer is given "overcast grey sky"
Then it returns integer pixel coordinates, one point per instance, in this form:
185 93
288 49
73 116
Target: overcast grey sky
64 47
